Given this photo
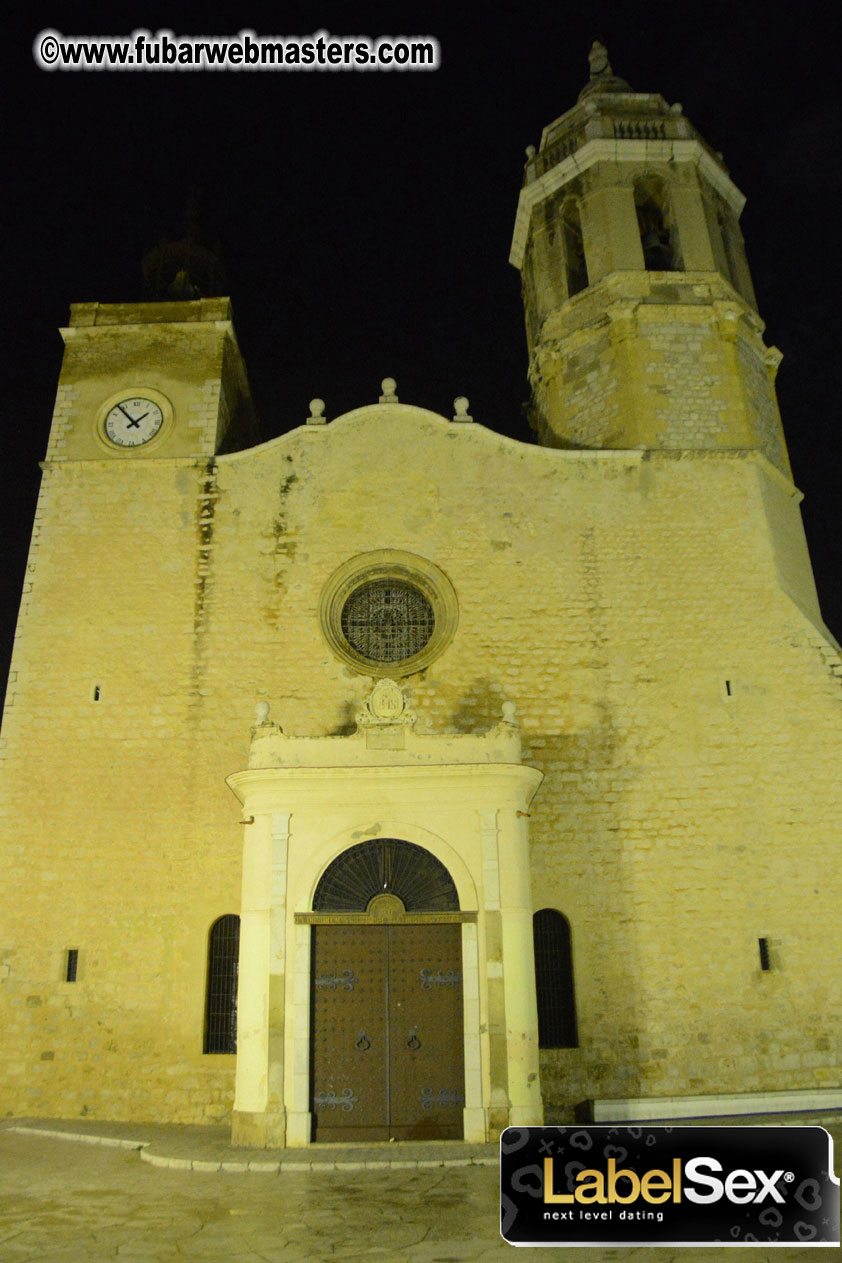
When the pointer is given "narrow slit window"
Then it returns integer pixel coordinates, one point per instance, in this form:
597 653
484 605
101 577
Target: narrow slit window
71 965
763 948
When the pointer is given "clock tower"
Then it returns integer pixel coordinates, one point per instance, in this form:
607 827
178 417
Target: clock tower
110 668
143 380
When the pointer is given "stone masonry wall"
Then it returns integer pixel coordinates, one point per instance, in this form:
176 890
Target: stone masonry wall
638 363
685 712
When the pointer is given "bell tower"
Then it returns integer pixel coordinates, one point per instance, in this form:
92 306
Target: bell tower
641 319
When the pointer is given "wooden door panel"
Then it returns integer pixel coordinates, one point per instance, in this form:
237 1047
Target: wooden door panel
386 1032
349 1081
426 1064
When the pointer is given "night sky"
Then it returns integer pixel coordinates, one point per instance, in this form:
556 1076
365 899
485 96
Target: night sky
365 219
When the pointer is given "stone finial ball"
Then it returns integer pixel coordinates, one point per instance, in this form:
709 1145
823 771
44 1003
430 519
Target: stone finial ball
317 407
388 385
261 712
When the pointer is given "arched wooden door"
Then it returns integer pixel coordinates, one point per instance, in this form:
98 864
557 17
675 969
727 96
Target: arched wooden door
386 1018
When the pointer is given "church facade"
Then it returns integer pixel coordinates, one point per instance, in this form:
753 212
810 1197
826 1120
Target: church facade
394 779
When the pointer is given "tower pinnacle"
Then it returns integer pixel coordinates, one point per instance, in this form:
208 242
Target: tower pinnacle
598 59
602 77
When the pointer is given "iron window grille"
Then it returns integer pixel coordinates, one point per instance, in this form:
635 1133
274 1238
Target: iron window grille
221 1003
554 980
386 866
388 613
387 620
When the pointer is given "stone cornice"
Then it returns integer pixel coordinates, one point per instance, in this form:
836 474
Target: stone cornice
500 784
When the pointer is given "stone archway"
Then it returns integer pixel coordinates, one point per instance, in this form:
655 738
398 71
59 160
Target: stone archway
303 800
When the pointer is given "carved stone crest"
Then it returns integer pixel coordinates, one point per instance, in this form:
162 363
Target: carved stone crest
385 704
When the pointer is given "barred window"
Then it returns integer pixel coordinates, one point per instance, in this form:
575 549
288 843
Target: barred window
554 980
387 620
221 1002
388 613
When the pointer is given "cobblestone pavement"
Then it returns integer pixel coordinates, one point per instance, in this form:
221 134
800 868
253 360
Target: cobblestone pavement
66 1201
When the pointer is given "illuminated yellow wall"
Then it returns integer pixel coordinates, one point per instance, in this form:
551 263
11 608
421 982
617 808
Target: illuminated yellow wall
638 586
639 610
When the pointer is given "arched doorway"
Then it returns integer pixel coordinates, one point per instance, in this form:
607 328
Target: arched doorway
386 1024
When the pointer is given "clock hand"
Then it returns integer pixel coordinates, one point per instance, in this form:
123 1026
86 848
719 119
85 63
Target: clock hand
134 422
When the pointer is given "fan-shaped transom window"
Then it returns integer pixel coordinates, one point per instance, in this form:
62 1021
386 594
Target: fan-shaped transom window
386 866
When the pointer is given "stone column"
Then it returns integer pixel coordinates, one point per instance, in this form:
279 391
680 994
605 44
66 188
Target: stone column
250 1098
475 1120
258 1103
498 1098
521 1008
275 1114
693 232
299 1118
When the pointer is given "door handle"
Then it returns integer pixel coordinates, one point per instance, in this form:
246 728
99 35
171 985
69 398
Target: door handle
413 1042
363 1042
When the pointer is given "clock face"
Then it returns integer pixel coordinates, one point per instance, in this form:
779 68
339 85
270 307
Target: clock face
133 421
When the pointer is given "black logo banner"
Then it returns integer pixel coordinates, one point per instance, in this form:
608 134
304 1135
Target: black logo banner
649 1185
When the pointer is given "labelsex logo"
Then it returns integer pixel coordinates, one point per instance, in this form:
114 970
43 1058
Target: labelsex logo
655 1186
625 1185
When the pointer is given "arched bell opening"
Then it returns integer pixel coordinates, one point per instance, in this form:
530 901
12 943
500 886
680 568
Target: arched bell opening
658 233
575 264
